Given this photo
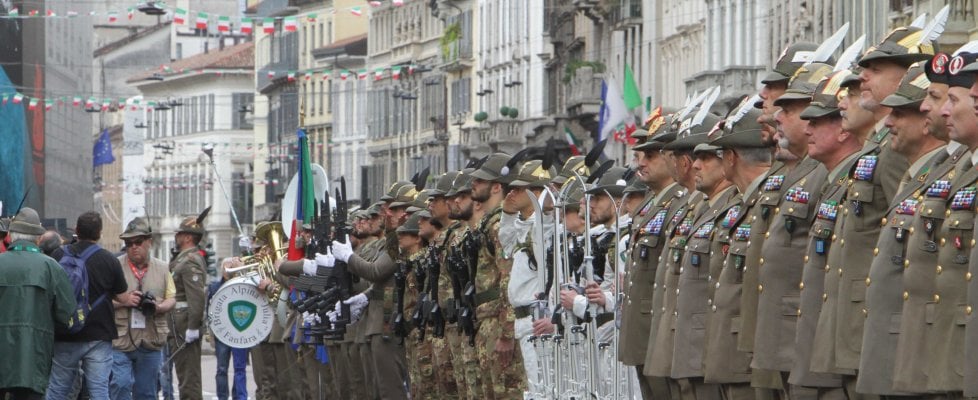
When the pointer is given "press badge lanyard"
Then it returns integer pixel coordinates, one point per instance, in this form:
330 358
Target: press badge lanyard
138 274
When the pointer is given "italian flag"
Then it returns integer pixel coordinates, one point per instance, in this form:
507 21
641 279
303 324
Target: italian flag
356 11
201 20
3 99
378 74
223 23
575 146
375 4
311 17
246 25
180 16
18 98
396 73
344 74
90 102
362 74
291 24
398 3
113 16
326 74
307 74
32 104
76 101
271 74
48 104
291 76
51 13
129 13
268 26
13 13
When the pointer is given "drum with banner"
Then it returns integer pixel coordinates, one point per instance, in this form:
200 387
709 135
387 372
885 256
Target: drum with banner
239 314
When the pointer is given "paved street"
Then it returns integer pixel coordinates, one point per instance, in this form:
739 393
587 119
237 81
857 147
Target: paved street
208 370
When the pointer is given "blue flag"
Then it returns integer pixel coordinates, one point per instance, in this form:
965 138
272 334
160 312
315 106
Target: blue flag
102 152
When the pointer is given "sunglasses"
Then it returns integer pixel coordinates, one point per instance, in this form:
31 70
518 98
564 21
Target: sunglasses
135 242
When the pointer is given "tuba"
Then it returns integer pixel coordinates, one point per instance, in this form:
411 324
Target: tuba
263 262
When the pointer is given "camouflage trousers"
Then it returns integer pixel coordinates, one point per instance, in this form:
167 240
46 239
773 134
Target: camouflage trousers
465 363
503 382
421 368
448 379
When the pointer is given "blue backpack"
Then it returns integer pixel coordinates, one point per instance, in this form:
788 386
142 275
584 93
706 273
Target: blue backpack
74 266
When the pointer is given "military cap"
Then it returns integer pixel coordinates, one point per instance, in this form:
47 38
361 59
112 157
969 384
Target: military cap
902 46
639 135
194 225
443 185
802 85
462 184
574 164
136 228
912 89
852 79
636 186
956 75
420 203
493 168
792 57
612 181
828 93
374 209
533 174
392 191
27 222
655 140
741 129
936 68
572 201
405 196
694 135
410 226
424 214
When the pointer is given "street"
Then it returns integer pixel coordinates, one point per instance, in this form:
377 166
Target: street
208 369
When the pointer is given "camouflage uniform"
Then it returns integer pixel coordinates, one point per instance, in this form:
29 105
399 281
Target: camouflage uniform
450 380
464 357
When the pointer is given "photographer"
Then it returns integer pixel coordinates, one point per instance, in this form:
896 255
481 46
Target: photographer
141 316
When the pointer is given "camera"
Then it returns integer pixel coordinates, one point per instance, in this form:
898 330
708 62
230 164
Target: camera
147 304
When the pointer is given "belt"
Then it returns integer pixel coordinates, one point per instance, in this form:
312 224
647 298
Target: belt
181 305
486 296
523 311
604 318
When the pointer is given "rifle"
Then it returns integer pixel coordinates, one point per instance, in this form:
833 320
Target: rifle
466 269
398 325
435 318
421 309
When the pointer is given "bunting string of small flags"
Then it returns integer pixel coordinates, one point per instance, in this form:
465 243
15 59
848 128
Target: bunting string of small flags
202 20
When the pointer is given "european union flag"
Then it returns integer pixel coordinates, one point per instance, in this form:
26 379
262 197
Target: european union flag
102 152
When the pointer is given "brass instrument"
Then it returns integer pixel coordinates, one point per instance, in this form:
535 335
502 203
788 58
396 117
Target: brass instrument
263 262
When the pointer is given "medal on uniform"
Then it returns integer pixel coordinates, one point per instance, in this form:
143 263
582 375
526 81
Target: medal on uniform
907 207
684 227
898 235
765 212
857 208
694 259
797 195
704 231
738 261
675 255
789 224
645 210
643 253
828 210
773 183
654 226
964 199
939 189
742 233
865 167
929 225
732 214
819 246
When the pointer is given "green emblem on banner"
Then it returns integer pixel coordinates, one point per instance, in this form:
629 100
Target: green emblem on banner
242 314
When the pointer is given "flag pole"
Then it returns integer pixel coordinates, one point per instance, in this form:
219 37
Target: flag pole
208 149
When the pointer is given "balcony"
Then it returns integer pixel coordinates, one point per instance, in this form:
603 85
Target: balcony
625 13
280 53
584 92
456 43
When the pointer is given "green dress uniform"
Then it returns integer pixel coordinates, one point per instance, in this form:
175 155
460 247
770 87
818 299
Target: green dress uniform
648 242
884 299
946 318
919 272
811 294
189 276
779 275
703 253
360 355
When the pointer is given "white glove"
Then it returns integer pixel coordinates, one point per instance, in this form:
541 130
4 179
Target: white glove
326 260
310 318
357 304
309 267
191 335
342 251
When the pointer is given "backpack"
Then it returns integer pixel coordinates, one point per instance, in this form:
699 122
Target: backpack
74 266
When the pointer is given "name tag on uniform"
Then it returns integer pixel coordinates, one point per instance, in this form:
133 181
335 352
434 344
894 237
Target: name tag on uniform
907 207
742 233
704 231
773 183
828 210
731 217
940 189
865 168
798 195
964 199
654 226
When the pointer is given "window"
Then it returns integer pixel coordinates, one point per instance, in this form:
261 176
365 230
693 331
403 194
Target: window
321 97
210 113
239 102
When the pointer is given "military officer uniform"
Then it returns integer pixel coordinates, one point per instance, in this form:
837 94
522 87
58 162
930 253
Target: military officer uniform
647 243
723 363
783 250
971 329
884 292
945 334
189 276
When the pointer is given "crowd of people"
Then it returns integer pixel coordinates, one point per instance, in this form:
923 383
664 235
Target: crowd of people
814 241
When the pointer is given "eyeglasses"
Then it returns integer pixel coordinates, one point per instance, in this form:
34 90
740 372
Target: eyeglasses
135 242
